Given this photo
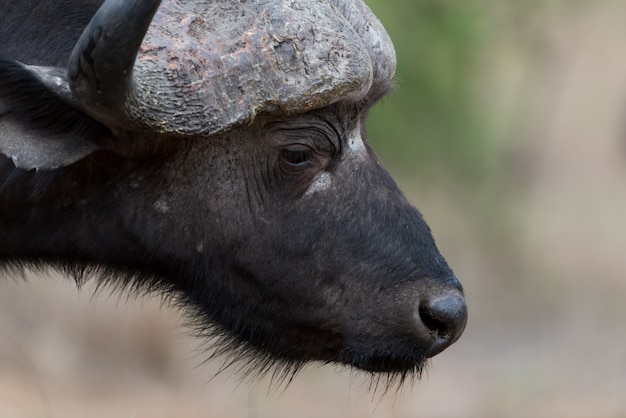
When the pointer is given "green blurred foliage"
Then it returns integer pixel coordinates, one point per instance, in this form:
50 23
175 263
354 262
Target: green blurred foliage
436 123
431 121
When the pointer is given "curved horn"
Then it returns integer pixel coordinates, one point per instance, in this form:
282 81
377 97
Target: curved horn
100 69
205 67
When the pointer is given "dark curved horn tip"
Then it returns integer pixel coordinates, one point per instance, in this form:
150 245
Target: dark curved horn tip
100 69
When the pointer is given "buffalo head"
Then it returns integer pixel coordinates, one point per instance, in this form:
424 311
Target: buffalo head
216 151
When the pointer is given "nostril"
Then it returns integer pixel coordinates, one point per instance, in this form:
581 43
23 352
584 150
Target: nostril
440 328
445 316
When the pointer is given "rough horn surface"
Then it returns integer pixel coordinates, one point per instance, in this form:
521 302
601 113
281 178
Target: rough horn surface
206 67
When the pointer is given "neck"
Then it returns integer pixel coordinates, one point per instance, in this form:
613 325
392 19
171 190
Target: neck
52 215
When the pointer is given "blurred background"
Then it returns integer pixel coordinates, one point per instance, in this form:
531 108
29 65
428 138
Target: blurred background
508 131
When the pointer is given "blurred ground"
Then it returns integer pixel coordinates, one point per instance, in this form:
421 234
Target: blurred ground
540 258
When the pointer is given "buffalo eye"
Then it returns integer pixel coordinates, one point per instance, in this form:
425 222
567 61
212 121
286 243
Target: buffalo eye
297 158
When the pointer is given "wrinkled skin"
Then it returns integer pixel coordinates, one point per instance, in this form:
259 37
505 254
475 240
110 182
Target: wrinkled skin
286 237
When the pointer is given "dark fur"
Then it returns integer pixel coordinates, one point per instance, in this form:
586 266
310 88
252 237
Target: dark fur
258 301
43 32
39 109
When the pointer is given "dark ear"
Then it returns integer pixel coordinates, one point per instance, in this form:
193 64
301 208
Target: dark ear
41 124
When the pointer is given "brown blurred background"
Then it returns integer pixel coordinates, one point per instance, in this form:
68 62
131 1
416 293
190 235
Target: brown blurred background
508 131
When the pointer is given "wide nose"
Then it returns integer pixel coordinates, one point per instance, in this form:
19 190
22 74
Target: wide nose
444 314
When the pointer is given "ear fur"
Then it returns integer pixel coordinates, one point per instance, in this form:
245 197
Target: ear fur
41 124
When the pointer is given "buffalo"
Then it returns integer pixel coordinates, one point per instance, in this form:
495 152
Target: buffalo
215 152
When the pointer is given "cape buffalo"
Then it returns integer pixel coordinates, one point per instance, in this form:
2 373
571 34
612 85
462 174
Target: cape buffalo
215 151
